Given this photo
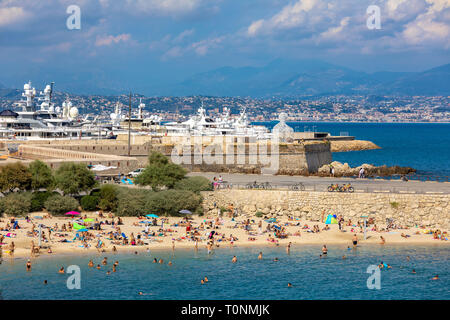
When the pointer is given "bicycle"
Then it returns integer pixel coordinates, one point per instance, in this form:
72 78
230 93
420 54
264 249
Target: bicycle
297 187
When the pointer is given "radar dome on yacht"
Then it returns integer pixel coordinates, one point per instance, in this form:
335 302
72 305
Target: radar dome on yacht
73 113
283 131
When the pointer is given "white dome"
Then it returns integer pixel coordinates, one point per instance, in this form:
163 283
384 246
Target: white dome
73 113
113 116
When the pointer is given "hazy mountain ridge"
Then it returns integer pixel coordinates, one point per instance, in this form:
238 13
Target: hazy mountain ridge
279 78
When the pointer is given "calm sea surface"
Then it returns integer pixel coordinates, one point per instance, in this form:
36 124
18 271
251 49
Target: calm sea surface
313 278
423 146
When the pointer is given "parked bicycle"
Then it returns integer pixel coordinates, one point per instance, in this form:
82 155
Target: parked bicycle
255 185
297 187
343 188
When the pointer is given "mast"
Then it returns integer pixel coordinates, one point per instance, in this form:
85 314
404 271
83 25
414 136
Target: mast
129 127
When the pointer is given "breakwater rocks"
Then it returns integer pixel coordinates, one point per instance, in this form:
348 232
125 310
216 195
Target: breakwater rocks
344 170
352 145
405 209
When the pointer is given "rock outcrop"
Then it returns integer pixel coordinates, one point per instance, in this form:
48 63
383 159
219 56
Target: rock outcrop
344 170
352 145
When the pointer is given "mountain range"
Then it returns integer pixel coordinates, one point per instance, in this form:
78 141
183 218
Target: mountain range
312 77
279 78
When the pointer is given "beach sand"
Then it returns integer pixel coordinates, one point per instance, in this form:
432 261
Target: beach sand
333 236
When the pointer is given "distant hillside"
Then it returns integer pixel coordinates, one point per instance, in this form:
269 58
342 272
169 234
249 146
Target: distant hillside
312 77
280 78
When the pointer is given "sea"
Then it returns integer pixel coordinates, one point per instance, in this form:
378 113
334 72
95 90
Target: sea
312 277
422 146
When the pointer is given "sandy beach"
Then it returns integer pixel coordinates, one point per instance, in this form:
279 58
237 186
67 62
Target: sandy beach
228 232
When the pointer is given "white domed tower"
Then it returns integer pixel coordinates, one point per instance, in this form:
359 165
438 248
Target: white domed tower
282 130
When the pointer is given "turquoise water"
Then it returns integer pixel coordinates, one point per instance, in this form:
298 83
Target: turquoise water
423 146
313 278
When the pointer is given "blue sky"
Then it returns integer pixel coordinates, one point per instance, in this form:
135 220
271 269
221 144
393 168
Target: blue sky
136 43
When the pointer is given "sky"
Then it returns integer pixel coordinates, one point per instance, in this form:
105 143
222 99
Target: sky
139 43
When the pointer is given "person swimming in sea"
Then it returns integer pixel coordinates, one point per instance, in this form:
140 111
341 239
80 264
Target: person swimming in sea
205 279
324 249
234 260
90 264
355 240
155 260
276 259
344 257
28 265
289 285
105 261
98 267
170 263
413 271
61 270
161 261
260 256
45 282
288 248
436 277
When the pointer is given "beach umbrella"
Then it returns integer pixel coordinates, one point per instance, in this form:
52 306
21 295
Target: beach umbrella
152 216
72 213
88 220
331 220
185 212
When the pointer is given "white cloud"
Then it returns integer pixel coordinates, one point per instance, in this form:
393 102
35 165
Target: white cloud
292 15
164 6
109 39
11 15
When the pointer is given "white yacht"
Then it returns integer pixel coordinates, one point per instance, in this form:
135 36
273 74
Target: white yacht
45 121
202 125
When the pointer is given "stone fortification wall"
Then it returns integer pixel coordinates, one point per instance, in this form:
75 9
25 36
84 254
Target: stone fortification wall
406 209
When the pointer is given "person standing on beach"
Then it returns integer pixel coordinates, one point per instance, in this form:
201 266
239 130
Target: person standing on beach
288 248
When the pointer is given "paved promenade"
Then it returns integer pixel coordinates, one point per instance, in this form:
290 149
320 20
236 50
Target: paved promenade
321 183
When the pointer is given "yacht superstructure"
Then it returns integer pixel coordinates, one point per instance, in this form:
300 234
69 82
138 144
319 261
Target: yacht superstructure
33 121
202 125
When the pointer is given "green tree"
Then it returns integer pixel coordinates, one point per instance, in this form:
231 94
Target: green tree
194 184
16 204
38 199
160 172
170 202
14 175
41 175
73 178
89 203
108 197
132 202
59 205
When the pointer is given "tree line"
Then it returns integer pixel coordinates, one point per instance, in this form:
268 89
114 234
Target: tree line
73 186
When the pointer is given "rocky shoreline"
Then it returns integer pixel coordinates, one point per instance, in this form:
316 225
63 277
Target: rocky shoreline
352 145
344 170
